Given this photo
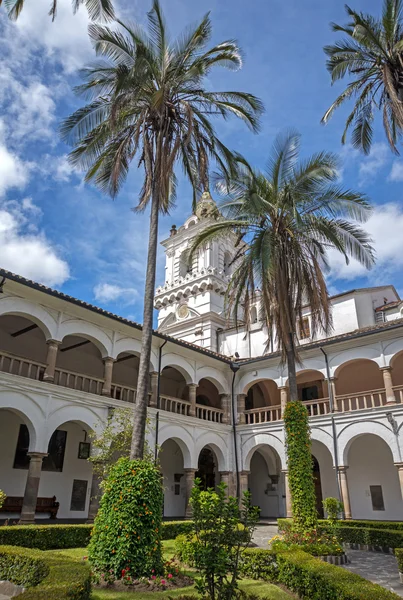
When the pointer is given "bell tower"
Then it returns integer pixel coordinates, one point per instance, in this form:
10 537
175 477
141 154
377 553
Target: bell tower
191 300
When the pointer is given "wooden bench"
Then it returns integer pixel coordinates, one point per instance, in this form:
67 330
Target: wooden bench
43 505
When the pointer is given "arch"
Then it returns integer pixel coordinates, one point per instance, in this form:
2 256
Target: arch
266 481
180 364
263 392
171 464
263 439
311 385
325 472
358 375
323 437
88 331
392 349
336 361
30 412
207 394
184 441
215 376
356 429
217 445
89 419
397 368
127 344
33 312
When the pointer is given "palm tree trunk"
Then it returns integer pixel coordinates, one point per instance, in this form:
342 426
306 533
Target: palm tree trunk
292 374
140 412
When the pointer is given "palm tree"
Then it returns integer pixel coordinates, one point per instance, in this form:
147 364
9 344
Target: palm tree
372 53
97 9
148 99
288 218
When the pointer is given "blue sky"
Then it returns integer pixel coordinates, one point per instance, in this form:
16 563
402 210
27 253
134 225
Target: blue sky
56 230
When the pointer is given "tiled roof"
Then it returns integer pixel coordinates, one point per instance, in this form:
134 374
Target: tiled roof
388 306
50 291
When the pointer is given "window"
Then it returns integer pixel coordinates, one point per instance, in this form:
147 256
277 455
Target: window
78 494
310 393
227 263
304 329
177 483
185 265
253 314
55 459
377 497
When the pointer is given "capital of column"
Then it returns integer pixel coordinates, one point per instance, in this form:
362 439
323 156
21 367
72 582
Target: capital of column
342 468
193 386
154 375
37 456
399 466
385 368
54 343
108 360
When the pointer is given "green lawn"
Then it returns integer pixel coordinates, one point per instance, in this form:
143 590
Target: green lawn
261 588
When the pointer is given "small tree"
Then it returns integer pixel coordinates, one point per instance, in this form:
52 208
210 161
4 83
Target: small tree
222 530
333 508
127 531
3 496
300 473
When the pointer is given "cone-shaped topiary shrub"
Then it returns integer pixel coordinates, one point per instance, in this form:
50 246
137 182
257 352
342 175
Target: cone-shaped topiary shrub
127 530
299 460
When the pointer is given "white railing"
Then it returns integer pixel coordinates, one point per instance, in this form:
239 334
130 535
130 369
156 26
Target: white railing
15 365
175 405
78 381
263 415
317 407
361 400
124 393
398 390
209 414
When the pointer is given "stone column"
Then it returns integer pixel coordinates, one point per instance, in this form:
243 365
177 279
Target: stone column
241 408
192 399
225 477
388 383
399 467
283 399
95 498
31 488
108 371
154 389
243 481
225 400
288 503
345 496
51 357
189 482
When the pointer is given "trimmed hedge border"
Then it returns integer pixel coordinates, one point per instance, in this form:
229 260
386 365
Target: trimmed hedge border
381 540
399 558
309 577
60 537
46 576
393 525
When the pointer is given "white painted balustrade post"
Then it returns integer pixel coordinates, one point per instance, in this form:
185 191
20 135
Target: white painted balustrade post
108 372
32 488
49 374
388 383
192 399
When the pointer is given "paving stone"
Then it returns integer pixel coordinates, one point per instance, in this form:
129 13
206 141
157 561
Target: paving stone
376 567
263 533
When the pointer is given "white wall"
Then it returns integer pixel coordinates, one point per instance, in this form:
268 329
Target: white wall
370 463
271 503
171 462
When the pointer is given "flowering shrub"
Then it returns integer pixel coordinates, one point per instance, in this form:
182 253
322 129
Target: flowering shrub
154 580
315 542
126 537
2 498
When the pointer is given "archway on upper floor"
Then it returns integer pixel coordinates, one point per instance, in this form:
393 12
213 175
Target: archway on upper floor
173 383
79 364
172 468
373 480
266 482
358 375
207 394
262 393
311 385
397 368
21 338
207 468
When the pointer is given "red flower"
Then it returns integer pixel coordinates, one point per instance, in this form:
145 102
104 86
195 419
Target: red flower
169 575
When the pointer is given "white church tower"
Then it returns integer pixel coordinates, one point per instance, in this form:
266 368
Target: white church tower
191 301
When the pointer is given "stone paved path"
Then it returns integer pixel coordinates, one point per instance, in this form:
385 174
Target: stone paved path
263 533
376 567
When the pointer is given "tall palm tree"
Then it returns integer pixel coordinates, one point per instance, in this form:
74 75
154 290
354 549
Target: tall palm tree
288 218
148 99
97 9
372 53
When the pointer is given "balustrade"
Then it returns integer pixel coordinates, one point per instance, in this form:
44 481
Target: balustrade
207 413
263 415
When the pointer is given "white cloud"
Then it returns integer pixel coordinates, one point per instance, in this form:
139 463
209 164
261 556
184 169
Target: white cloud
385 228
372 164
396 173
106 292
26 251
14 173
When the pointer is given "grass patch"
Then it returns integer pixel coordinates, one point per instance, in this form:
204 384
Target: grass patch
248 585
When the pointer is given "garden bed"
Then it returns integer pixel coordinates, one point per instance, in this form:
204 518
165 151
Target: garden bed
143 585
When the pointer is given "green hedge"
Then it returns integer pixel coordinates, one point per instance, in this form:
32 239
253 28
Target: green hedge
399 558
59 537
384 538
47 576
310 577
394 525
